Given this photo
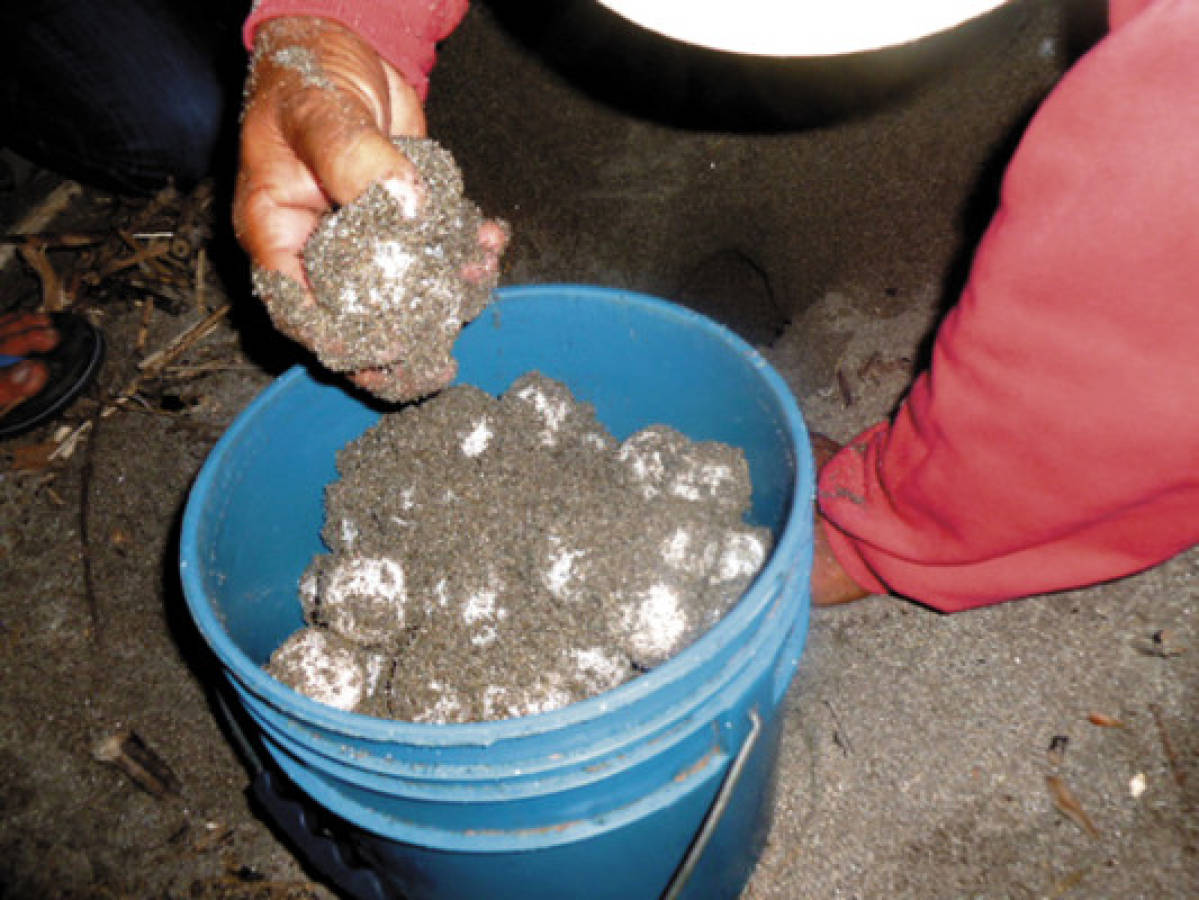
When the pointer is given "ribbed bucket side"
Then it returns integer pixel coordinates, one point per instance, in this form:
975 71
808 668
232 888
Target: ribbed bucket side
619 769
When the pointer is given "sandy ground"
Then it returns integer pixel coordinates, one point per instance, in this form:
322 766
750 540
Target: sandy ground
917 746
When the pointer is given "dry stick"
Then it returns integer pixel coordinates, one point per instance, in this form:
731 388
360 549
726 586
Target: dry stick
160 359
143 329
159 289
138 258
147 264
137 228
201 274
149 771
1068 805
53 297
55 240
85 542
843 743
67 445
1180 776
42 214
184 373
153 364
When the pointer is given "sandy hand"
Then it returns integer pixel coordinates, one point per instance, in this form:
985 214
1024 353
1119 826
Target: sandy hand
831 585
320 108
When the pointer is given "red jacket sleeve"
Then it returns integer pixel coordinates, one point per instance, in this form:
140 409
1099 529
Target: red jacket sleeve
404 32
1054 442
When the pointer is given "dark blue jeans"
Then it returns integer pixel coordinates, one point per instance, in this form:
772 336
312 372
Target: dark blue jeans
122 94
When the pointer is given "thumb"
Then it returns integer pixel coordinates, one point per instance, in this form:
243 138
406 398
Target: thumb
336 101
348 155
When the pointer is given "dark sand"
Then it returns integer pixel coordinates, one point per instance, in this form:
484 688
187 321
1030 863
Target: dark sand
392 283
492 558
915 748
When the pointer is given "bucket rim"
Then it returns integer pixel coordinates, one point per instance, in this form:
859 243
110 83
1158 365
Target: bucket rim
795 526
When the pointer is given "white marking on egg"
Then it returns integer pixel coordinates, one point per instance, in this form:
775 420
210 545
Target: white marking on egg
476 442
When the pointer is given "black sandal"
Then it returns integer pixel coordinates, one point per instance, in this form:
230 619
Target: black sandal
72 365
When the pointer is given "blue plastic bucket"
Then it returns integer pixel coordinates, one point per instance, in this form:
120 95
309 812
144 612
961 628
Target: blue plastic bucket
661 786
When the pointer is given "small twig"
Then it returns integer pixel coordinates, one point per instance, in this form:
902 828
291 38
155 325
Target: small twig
54 240
85 555
201 274
140 258
153 365
143 329
840 737
145 768
1180 777
147 264
160 359
182 373
53 297
70 441
1068 805
160 289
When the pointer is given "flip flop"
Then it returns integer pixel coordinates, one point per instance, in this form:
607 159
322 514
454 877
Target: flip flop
72 365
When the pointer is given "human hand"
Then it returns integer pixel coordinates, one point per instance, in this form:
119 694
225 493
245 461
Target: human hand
831 585
320 108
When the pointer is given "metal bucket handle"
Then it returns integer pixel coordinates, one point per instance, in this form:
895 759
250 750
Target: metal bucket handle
716 810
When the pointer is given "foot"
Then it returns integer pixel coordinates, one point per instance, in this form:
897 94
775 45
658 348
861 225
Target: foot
831 584
22 334
48 360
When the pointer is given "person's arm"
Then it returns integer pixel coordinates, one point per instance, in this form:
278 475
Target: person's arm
321 103
404 33
1054 442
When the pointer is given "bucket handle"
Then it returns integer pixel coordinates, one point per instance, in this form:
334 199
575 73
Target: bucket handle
716 811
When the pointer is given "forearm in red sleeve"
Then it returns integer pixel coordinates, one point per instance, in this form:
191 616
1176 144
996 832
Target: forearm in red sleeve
404 32
1055 441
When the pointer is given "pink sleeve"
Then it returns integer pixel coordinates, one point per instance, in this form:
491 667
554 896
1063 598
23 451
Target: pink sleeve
404 32
1054 443
1120 11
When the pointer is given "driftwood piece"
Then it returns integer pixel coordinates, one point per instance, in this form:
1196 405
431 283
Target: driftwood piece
145 768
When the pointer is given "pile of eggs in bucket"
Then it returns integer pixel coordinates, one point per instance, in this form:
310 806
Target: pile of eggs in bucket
491 557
